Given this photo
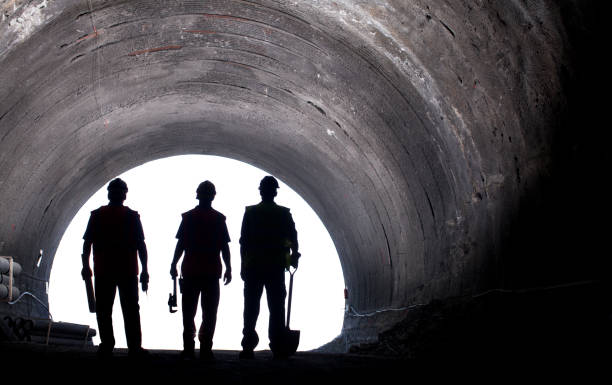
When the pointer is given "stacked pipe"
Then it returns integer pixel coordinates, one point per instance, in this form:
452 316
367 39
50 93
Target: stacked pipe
60 333
50 332
9 269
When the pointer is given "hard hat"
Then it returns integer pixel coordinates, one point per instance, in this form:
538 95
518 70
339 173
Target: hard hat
117 185
268 182
206 188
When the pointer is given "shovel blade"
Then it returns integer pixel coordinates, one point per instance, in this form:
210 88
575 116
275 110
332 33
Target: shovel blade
292 341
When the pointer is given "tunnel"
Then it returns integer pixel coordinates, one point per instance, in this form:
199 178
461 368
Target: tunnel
446 146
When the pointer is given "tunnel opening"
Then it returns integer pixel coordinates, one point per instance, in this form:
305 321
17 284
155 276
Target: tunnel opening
160 191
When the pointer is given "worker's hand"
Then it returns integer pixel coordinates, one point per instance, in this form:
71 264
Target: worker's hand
173 272
295 259
86 272
144 280
227 277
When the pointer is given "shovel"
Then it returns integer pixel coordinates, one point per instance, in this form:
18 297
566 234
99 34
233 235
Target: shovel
292 337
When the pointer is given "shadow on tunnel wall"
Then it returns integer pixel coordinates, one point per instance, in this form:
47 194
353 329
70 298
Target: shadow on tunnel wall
554 295
554 236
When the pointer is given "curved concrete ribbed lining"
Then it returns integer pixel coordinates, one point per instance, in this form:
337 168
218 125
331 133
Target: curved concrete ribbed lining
380 115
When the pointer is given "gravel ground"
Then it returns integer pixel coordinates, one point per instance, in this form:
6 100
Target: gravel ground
38 362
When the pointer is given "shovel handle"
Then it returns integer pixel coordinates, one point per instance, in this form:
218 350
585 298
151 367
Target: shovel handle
291 273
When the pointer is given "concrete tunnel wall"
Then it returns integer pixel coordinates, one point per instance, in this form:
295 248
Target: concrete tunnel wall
414 129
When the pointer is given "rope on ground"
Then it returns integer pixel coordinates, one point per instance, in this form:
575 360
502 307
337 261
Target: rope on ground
534 289
86 336
33 296
48 332
355 313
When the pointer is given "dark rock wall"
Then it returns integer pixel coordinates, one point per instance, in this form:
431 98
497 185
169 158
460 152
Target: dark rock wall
432 138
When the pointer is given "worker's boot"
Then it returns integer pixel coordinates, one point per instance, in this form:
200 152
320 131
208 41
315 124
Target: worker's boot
206 353
104 351
138 353
188 352
249 342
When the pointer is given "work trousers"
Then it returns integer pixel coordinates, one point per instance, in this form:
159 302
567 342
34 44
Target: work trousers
254 283
191 289
105 289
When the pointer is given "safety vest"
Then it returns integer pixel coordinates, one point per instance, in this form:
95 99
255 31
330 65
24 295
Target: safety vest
268 232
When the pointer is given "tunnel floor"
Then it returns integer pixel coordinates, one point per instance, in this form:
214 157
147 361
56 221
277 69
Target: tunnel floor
40 362
31 362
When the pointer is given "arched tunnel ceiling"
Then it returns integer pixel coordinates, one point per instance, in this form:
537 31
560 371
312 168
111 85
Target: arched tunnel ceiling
410 127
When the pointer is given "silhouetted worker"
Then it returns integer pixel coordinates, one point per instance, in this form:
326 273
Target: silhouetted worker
268 235
115 231
202 235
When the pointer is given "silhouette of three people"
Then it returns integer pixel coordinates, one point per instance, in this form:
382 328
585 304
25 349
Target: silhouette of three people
268 246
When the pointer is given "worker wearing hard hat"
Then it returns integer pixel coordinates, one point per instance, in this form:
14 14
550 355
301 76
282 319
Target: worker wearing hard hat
116 234
202 236
268 245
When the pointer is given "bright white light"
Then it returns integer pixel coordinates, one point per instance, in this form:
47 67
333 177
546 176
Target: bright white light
160 191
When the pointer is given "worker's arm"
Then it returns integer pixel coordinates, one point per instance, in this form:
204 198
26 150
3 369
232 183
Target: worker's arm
144 275
225 253
295 257
88 237
295 254
178 252
86 271
142 253
243 241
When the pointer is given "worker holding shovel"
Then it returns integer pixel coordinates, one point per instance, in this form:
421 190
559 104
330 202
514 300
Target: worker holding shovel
268 246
